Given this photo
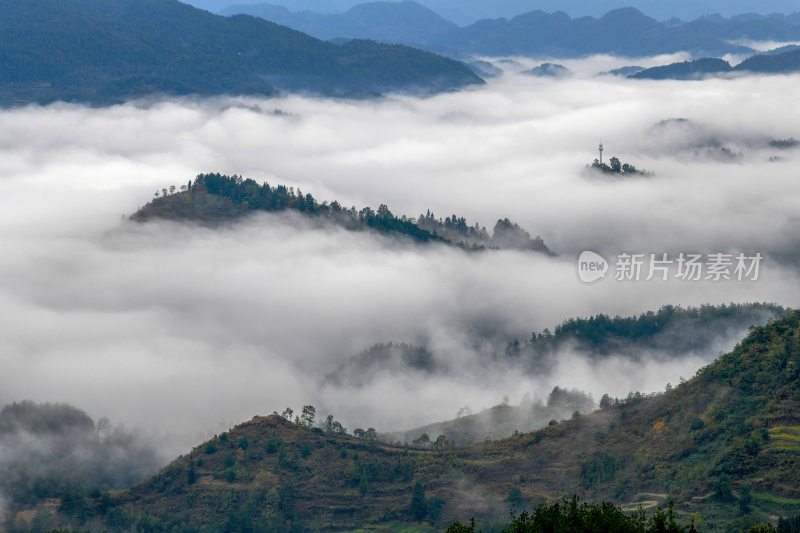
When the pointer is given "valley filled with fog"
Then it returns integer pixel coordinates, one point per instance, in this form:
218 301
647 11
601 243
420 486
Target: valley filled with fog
183 330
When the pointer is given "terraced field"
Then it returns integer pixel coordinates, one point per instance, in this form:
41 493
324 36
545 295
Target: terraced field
785 438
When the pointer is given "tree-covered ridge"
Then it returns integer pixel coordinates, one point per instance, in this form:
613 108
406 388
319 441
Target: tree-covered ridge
724 447
217 198
768 63
673 329
57 452
107 51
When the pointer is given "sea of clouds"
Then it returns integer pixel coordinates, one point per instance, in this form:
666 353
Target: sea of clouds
185 330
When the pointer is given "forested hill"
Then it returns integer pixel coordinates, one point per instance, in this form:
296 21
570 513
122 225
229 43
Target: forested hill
777 62
724 446
672 330
105 51
214 198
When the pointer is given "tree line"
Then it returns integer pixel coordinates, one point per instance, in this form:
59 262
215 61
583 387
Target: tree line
247 195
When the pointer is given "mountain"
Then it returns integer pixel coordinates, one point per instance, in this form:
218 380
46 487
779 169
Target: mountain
670 333
498 422
724 446
465 12
549 70
468 11
771 63
104 51
393 22
686 70
216 199
624 31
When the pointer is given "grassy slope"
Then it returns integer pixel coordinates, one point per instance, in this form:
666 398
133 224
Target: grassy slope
739 417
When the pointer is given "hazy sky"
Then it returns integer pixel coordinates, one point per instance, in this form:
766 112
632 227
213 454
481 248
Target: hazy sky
168 326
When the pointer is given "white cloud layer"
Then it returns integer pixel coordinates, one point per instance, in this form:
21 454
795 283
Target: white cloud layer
182 328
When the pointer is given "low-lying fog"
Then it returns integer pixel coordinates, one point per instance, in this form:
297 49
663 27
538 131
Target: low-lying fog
186 330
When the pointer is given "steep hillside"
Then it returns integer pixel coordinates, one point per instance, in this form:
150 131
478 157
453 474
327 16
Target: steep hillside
103 51
725 446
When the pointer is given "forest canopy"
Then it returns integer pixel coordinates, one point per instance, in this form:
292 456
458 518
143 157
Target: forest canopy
214 198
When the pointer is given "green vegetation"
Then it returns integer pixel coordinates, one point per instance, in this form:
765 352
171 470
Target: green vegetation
717 446
107 51
572 516
670 330
615 166
56 458
214 198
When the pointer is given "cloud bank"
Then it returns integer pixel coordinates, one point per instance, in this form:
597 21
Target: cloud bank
189 330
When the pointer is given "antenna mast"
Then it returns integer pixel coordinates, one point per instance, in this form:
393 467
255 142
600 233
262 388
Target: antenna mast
601 153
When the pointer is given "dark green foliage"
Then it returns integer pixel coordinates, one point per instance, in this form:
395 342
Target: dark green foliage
789 525
111 50
272 445
600 469
50 451
419 504
670 330
573 516
215 197
745 500
191 474
617 167
514 499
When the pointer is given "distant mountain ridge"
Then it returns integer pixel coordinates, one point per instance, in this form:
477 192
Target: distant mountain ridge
465 12
399 22
768 63
624 31
107 51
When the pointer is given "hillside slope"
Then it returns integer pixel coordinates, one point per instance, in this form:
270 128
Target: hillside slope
105 51
725 446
